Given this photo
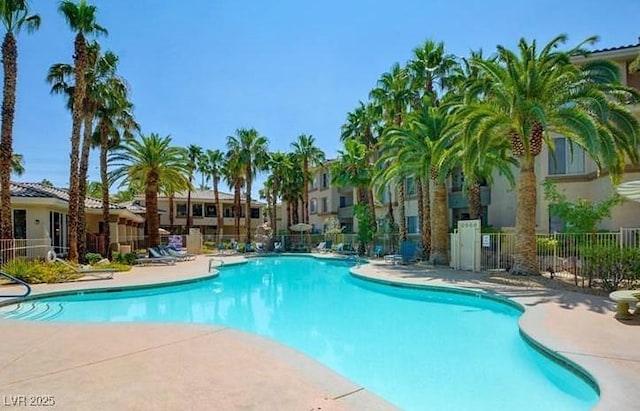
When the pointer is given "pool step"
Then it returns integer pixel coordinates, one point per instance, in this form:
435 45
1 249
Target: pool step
35 311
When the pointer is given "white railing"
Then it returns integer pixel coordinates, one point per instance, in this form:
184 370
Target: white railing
23 248
558 254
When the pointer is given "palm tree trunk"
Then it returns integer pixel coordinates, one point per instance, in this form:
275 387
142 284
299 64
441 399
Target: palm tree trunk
151 201
237 208
247 216
402 223
305 201
189 205
421 218
525 260
172 215
440 224
104 178
9 62
473 196
82 185
219 215
426 223
289 218
80 58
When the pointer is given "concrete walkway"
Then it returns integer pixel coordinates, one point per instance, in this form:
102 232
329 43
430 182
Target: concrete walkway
104 366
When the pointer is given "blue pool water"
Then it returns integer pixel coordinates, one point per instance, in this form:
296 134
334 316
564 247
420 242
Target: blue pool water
421 350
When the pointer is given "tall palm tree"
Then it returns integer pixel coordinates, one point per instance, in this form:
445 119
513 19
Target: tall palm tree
115 121
100 80
535 94
234 176
394 95
311 156
291 189
418 147
17 164
215 169
431 70
194 153
81 18
253 153
15 16
149 161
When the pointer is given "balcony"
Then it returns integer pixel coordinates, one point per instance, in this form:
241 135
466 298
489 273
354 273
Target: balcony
345 212
458 199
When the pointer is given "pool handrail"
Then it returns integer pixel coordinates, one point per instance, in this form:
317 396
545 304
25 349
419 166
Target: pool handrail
18 281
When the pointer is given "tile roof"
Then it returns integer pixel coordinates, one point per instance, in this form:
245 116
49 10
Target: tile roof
37 190
628 46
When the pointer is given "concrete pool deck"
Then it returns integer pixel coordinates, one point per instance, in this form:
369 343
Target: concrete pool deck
180 366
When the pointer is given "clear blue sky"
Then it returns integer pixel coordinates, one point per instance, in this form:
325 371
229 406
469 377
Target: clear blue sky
200 69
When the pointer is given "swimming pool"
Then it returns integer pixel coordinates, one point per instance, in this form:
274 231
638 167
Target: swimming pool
418 349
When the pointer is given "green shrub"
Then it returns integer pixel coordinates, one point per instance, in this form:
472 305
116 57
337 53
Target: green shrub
612 266
546 245
125 258
93 258
36 271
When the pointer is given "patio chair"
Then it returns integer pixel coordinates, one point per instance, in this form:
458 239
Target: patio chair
168 251
277 247
101 273
377 251
156 257
408 252
322 247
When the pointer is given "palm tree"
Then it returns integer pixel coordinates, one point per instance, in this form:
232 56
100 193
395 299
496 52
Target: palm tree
94 189
280 166
291 189
535 94
215 170
234 176
150 161
252 150
193 155
311 156
431 70
394 95
418 147
115 121
81 18
17 164
101 83
15 16
354 168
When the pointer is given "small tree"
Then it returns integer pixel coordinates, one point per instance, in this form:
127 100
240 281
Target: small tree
581 216
334 229
365 231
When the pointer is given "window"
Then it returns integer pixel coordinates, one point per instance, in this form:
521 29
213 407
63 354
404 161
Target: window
564 161
181 209
255 212
325 208
325 180
343 201
228 212
314 182
196 210
410 186
20 224
313 206
412 224
210 210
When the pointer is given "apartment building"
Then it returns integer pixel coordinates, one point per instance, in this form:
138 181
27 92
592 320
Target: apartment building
204 213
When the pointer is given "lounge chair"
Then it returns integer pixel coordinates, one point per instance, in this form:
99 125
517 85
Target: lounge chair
408 252
156 257
322 247
345 249
168 251
277 246
101 273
